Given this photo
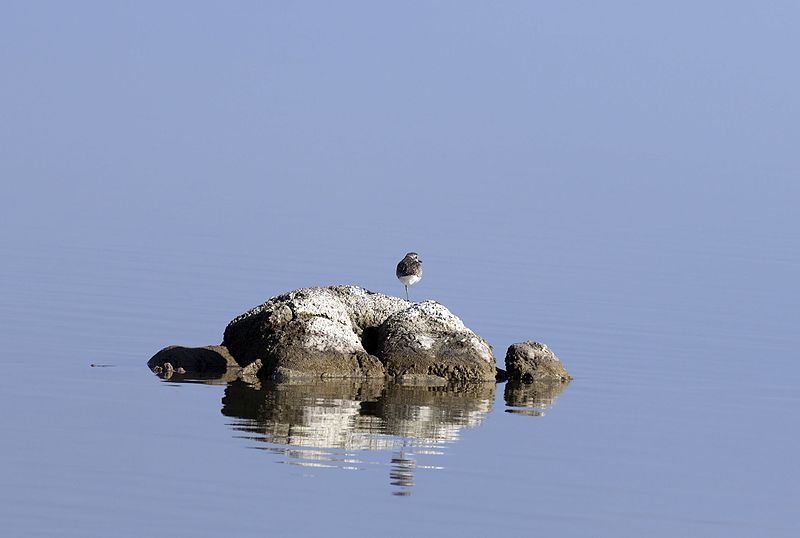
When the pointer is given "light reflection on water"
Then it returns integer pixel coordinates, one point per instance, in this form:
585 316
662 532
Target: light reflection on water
351 425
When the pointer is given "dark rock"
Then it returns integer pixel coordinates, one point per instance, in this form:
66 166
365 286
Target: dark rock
533 361
209 359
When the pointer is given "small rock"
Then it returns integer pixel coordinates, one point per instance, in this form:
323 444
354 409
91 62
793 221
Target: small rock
193 359
249 374
533 361
501 375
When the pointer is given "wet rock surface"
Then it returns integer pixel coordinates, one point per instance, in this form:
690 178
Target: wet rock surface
533 361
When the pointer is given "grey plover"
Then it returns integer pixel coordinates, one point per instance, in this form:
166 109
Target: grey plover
409 270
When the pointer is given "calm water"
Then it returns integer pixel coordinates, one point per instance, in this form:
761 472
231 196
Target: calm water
617 180
679 420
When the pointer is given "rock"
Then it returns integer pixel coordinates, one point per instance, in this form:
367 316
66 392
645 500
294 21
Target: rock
313 332
349 332
249 373
209 359
427 339
533 361
501 375
421 380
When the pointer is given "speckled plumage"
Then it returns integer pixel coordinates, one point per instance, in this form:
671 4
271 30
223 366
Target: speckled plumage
409 270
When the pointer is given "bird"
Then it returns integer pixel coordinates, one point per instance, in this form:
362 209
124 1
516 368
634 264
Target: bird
409 270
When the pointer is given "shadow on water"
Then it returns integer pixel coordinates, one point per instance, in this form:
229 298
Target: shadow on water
352 424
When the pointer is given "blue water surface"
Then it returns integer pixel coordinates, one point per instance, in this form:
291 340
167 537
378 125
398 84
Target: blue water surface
615 180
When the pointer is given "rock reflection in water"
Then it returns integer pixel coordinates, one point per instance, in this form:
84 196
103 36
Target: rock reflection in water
323 424
531 398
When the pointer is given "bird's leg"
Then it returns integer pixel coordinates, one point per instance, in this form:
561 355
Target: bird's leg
406 285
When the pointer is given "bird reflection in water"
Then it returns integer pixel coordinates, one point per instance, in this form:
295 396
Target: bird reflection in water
402 473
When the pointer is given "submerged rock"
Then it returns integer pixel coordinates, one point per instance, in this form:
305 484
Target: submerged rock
533 361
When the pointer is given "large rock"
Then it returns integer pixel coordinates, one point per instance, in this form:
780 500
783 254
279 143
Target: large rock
346 331
427 339
533 361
